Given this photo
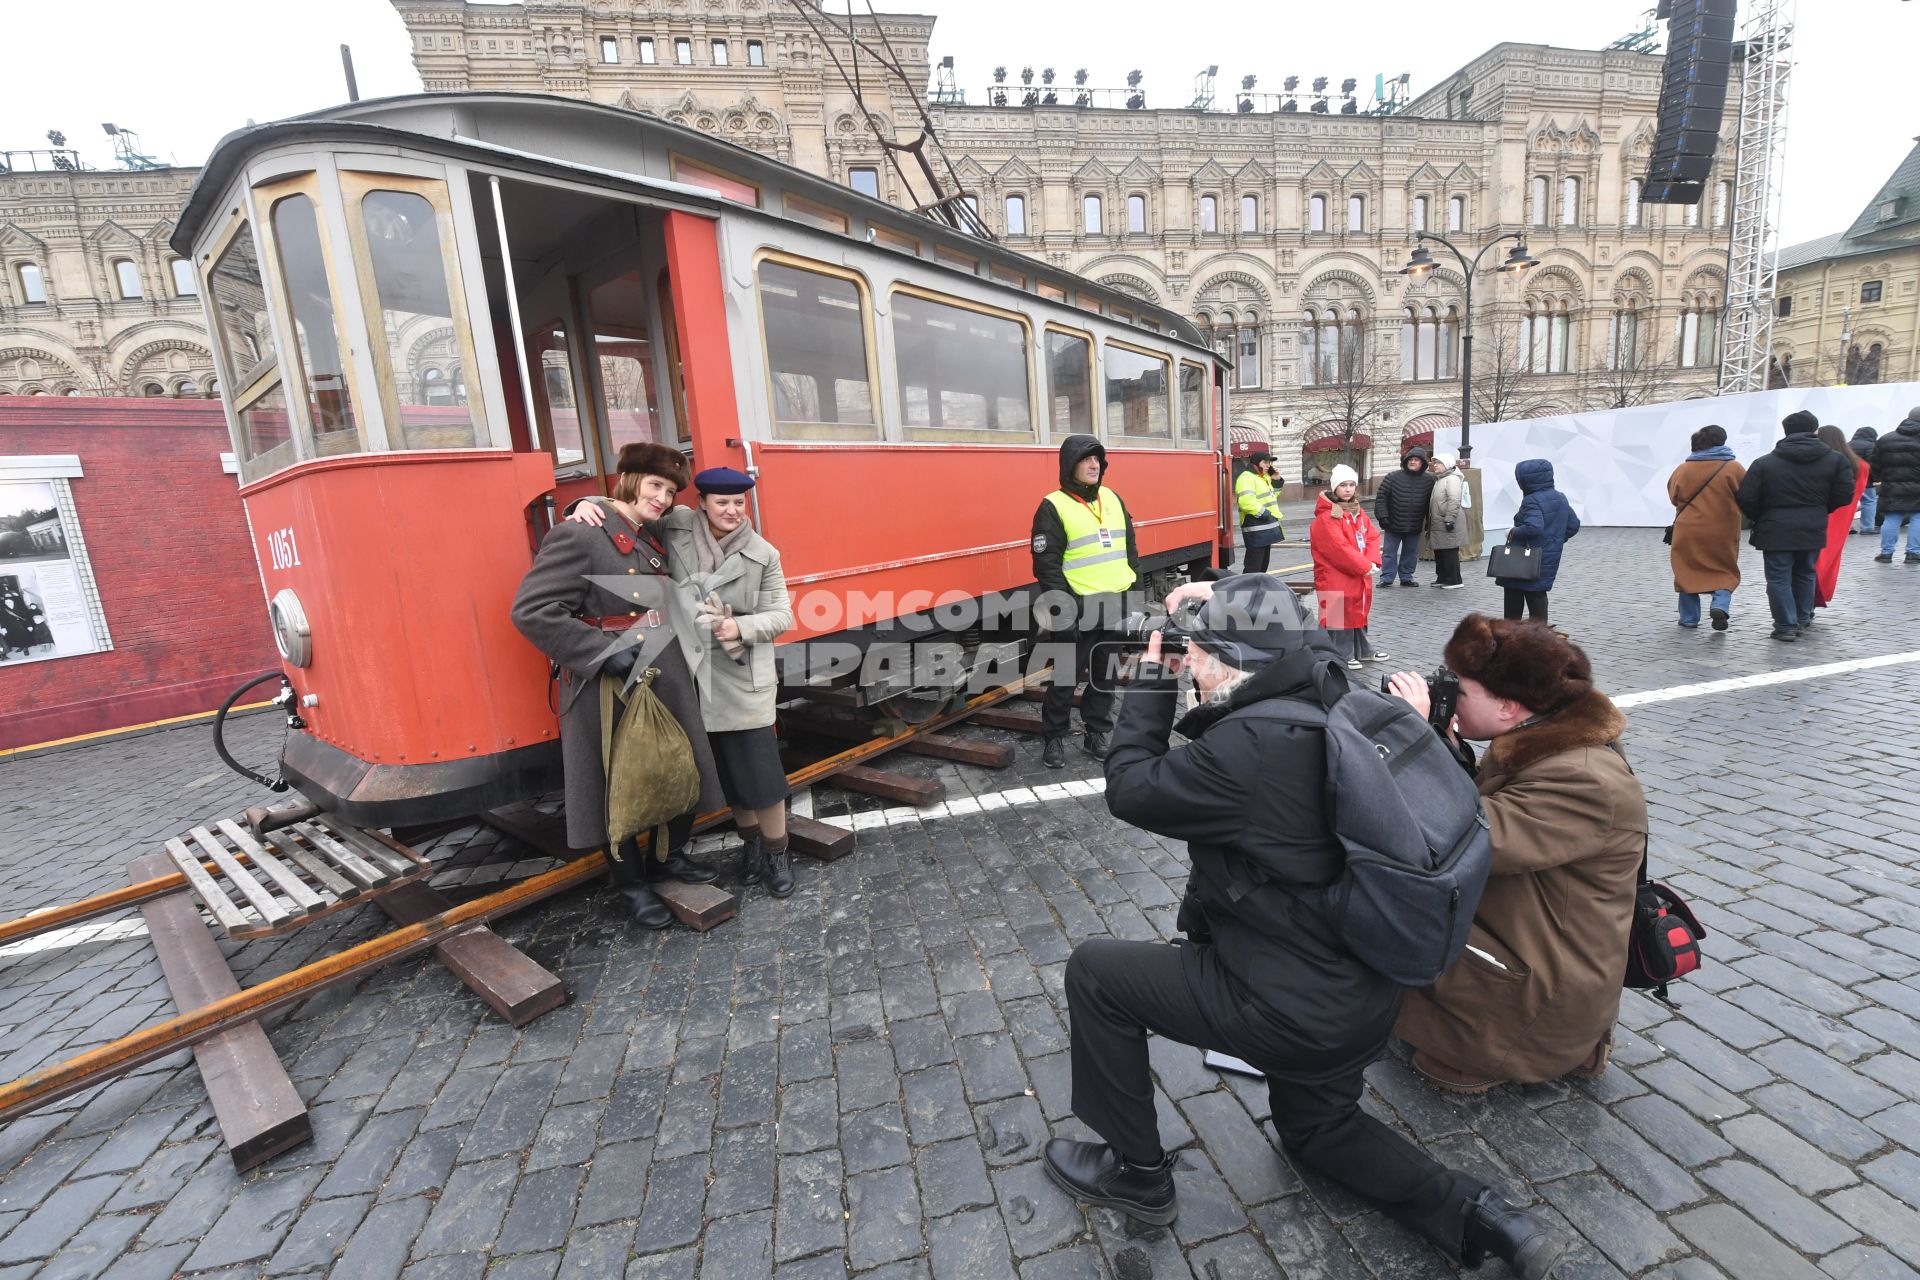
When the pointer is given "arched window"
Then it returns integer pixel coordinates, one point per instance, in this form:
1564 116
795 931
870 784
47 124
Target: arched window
1330 345
1247 355
128 277
1537 211
1356 213
1623 338
187 389
1209 214
1631 215
184 285
1457 213
434 388
1137 215
1429 342
1317 213
33 285
213 388
1090 215
1722 199
1419 213
1547 330
1249 214
1698 329
1016 215
1569 202
153 389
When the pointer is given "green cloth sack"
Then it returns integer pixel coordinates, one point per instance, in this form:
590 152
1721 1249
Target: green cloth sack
651 774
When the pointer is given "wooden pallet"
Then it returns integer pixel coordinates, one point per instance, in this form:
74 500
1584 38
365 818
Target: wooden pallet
258 886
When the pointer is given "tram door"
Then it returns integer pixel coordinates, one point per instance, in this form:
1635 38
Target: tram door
590 277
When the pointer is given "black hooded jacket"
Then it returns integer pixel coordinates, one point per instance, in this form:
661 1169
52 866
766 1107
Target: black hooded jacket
1400 504
1249 798
1895 467
1789 493
1049 537
1862 444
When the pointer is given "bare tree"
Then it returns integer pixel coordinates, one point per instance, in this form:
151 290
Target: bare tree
1503 387
1359 393
1638 375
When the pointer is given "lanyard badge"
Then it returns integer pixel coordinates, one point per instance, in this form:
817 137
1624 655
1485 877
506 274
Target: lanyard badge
1106 537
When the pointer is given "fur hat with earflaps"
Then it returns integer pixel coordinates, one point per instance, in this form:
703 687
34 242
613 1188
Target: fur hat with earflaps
1528 662
647 459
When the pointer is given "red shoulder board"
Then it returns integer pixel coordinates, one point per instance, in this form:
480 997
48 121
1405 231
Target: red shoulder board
623 544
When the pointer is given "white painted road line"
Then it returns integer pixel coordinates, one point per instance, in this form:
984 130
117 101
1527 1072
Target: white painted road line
1735 684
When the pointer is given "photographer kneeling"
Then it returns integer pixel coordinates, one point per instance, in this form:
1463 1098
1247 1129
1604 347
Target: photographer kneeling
1261 974
1535 995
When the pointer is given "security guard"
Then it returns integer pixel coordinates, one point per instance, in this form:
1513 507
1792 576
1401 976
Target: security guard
1084 556
1259 510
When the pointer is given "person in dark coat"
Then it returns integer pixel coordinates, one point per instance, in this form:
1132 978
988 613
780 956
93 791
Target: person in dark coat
1545 520
1400 509
1788 494
1261 973
593 631
1862 446
1083 572
1894 472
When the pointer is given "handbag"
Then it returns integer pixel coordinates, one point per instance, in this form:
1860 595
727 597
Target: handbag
1664 943
1514 560
1667 537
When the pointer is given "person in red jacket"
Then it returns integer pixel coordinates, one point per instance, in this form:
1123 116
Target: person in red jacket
1346 550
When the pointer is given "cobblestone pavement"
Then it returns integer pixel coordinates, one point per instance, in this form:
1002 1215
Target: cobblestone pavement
858 1080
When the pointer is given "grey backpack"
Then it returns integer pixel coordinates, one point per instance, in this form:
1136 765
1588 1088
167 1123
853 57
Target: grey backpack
1409 819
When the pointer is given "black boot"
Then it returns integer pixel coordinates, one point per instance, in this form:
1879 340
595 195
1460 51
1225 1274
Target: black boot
643 906
1497 1229
1095 743
1054 753
753 860
779 867
1090 1171
678 866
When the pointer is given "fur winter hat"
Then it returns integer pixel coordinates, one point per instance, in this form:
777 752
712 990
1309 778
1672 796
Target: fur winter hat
648 459
1341 475
1528 662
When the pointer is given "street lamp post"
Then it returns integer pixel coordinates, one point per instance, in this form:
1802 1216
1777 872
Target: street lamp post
1421 263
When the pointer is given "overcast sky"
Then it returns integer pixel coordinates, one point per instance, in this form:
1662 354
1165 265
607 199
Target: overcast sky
183 75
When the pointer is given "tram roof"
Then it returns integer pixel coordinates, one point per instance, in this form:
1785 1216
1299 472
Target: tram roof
362 123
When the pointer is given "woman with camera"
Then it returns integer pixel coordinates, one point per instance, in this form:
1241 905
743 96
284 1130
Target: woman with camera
1536 992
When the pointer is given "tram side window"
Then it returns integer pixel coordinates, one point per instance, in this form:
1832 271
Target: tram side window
961 371
296 234
1139 395
816 341
1070 382
553 375
246 335
1193 406
410 276
624 349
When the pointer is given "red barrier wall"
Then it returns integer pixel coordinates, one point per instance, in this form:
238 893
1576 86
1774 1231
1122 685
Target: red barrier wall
170 551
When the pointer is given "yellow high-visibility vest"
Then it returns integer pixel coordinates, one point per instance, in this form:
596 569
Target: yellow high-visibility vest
1259 504
1095 558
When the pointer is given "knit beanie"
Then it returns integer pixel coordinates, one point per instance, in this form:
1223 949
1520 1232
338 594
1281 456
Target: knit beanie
1799 422
1528 662
1342 473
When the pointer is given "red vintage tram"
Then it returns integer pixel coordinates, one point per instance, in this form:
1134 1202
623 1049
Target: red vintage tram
436 317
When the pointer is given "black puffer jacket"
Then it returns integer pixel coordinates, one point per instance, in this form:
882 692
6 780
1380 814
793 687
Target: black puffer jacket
1789 493
1400 506
1249 798
1862 444
1896 467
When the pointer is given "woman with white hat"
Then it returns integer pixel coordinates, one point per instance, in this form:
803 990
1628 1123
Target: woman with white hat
1346 550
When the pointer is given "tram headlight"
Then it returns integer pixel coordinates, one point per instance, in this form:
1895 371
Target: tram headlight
290 631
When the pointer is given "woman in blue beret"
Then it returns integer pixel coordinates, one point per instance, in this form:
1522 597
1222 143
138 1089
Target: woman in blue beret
739 594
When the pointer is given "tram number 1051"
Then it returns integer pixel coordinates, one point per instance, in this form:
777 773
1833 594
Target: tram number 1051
284 551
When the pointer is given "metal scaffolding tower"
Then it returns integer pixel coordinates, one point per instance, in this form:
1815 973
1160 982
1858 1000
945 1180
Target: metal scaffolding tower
1751 253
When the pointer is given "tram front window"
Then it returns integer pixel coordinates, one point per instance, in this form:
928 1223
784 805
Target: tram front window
816 336
416 313
296 234
246 338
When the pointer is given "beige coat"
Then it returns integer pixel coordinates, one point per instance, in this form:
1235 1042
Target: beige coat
1443 508
1569 830
735 695
1706 536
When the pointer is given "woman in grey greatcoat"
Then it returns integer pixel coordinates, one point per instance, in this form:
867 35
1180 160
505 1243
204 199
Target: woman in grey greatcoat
1446 523
569 607
737 589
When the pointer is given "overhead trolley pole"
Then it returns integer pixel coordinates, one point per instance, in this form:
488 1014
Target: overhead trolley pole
1751 252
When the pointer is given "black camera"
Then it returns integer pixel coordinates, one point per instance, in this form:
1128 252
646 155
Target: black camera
1443 697
1175 628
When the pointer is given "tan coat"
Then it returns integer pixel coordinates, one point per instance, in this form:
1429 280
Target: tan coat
1443 509
736 695
1706 536
1569 829
580 571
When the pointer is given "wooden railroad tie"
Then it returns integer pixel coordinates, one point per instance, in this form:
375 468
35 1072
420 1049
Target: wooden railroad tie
698 906
821 841
1018 719
889 786
942 746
